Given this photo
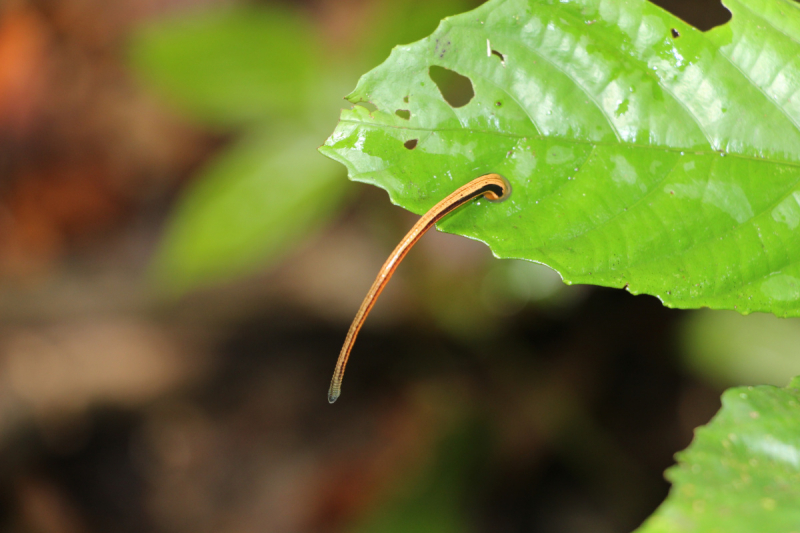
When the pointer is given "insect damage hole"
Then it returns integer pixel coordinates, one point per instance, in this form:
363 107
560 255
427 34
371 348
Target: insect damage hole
456 89
410 144
675 33
405 114
501 56
492 52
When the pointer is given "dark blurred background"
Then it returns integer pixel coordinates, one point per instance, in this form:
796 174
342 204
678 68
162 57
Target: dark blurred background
178 268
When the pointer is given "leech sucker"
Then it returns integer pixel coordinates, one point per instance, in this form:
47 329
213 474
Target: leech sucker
491 186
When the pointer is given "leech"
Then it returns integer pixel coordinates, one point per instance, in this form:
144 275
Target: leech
492 186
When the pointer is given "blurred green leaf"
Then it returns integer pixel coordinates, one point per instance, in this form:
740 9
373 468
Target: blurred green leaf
231 67
398 22
435 499
741 474
253 203
727 348
642 152
257 67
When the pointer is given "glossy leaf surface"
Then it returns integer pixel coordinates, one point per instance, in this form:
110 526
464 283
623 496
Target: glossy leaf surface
642 152
742 471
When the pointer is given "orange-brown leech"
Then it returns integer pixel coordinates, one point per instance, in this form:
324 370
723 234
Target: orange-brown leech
491 186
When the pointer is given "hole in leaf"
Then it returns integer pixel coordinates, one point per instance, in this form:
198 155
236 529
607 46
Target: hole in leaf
410 144
702 14
501 56
405 99
456 89
369 106
675 33
405 114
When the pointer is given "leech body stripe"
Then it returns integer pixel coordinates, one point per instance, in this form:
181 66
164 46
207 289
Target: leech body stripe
492 186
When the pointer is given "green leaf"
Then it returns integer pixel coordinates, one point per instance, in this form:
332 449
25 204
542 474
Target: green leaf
642 152
396 22
253 203
727 349
435 499
741 473
231 67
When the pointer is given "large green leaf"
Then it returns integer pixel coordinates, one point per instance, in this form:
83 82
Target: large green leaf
741 474
250 205
642 152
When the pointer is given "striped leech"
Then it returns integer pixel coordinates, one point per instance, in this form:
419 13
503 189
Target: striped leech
491 186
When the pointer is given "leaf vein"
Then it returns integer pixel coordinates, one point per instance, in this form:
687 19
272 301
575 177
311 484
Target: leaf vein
744 157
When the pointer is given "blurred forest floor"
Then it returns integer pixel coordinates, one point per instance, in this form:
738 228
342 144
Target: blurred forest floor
123 410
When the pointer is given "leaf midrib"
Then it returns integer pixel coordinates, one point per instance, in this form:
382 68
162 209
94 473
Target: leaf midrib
681 151
674 253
